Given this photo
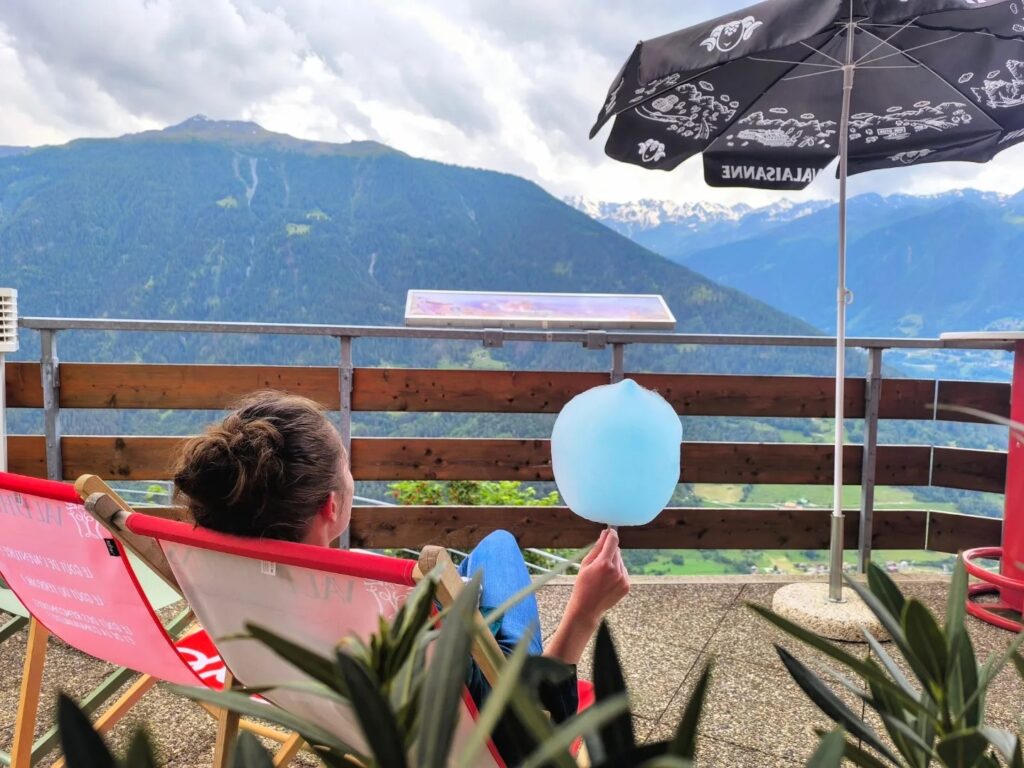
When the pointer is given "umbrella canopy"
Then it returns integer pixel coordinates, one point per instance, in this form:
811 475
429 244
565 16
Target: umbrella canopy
760 91
773 93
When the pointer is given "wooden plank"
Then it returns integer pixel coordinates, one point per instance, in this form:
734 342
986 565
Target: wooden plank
201 387
119 458
951 532
214 387
906 399
970 470
149 458
675 528
26 455
428 390
530 460
24 386
987 396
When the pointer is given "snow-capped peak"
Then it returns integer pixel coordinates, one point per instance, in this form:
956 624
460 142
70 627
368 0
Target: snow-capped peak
641 215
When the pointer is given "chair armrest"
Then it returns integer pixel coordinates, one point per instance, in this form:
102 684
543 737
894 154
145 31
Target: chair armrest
486 652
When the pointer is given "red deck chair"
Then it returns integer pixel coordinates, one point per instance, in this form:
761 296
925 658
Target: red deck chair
77 583
311 595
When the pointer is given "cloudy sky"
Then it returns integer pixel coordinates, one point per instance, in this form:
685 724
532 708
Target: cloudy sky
512 85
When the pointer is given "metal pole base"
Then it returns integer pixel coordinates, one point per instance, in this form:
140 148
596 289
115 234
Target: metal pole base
807 604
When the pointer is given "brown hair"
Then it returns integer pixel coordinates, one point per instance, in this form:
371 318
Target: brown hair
264 471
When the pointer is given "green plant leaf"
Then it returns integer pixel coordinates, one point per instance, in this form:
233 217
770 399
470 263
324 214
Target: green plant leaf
249 753
830 751
956 604
684 743
667 761
441 695
893 626
313 664
82 746
865 669
994 666
964 748
885 589
896 720
243 704
963 684
890 665
861 757
140 751
1003 741
374 714
616 736
495 704
592 719
830 704
926 642
535 584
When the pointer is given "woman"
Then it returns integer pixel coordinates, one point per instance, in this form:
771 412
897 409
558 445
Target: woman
276 468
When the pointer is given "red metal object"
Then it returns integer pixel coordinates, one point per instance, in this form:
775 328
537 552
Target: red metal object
1009 582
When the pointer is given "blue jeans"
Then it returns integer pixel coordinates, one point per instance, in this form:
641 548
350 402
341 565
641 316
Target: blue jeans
505 574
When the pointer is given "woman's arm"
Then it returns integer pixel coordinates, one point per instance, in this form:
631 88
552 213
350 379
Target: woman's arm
601 583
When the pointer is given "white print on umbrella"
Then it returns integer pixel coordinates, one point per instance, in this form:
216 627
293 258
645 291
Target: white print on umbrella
1012 136
692 111
651 151
613 95
803 132
898 123
653 87
911 156
725 37
999 93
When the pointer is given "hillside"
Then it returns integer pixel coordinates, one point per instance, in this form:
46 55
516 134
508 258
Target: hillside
918 266
213 220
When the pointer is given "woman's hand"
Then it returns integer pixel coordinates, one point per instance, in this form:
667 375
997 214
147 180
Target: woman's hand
602 582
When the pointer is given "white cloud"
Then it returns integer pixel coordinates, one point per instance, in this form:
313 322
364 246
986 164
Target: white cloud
512 86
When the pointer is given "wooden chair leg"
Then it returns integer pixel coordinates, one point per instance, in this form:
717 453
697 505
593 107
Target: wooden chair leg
227 732
28 700
119 708
288 750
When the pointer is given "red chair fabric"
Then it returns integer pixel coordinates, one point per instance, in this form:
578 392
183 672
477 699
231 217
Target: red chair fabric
78 582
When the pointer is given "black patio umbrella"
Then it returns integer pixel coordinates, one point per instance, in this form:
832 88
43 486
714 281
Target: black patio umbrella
772 93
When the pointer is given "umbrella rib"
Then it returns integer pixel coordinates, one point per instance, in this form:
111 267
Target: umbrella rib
822 53
809 74
830 67
914 48
887 40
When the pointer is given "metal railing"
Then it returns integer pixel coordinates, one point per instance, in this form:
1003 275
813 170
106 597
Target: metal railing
614 341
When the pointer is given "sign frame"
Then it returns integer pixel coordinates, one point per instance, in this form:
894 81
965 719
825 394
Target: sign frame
414 317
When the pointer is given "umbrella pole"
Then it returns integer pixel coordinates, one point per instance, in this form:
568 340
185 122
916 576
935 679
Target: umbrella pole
835 580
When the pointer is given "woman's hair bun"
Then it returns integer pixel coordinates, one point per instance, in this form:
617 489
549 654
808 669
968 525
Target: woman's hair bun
263 470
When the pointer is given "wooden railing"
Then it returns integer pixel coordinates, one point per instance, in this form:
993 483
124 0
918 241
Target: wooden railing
54 386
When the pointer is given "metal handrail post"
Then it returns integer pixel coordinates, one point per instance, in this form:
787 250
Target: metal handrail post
872 399
345 374
618 371
50 373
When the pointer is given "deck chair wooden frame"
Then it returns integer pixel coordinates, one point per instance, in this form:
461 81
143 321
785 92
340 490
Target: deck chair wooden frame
35 575
219 575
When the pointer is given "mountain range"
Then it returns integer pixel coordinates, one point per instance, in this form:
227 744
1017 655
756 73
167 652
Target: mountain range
918 265
224 220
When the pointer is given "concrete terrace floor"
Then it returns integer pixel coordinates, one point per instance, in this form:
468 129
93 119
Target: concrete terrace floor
666 630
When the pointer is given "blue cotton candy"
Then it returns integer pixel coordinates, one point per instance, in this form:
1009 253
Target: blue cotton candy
615 454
